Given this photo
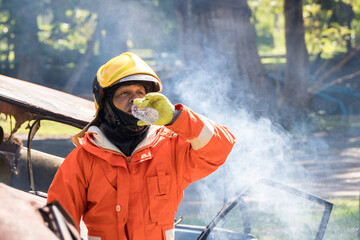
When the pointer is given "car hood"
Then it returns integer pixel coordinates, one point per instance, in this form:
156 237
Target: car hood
28 101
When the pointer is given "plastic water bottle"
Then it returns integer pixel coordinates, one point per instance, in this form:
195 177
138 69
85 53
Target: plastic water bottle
146 114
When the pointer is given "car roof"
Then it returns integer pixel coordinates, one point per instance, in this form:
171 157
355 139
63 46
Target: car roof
46 103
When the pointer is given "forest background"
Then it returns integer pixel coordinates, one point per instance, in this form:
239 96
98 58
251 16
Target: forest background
286 59
287 62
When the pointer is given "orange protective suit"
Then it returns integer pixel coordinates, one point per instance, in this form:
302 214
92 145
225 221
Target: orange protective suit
136 197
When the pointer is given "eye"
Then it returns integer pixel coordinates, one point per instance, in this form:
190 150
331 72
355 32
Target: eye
120 94
141 92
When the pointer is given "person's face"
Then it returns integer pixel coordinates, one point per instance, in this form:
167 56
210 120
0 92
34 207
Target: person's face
125 95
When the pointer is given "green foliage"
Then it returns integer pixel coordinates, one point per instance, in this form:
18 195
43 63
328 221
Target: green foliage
72 32
65 29
269 24
6 37
326 31
323 36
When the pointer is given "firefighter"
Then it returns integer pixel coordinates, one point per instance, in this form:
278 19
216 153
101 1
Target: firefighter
126 178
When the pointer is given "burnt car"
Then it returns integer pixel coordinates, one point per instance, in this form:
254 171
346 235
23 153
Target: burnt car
22 167
266 209
25 173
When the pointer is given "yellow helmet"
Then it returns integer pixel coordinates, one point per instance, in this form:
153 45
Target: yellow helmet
125 67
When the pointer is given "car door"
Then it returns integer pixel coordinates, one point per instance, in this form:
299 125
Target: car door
270 210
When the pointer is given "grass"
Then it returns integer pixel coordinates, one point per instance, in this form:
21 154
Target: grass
344 220
334 122
48 129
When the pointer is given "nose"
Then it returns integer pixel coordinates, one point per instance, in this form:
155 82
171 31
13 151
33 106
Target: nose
133 96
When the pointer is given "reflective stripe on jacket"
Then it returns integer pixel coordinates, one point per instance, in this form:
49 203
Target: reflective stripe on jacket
136 197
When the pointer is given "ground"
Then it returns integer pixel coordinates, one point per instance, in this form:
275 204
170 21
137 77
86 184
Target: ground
337 167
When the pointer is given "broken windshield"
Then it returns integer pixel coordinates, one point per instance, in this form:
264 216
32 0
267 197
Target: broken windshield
271 210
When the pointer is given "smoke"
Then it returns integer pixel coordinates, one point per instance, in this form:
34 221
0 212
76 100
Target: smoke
135 25
263 148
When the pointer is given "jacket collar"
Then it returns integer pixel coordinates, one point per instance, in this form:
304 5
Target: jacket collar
99 139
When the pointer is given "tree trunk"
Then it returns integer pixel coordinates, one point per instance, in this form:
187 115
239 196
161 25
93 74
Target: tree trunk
27 50
109 34
81 66
218 36
112 32
297 57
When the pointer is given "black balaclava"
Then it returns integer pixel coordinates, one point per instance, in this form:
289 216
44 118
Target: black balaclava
119 127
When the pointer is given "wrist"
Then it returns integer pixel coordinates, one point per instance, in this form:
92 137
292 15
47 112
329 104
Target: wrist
176 115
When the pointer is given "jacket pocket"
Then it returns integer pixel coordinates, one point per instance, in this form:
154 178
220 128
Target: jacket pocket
96 235
161 202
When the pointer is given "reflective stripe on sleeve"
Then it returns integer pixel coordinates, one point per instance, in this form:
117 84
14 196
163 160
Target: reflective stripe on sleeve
205 135
94 238
170 234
